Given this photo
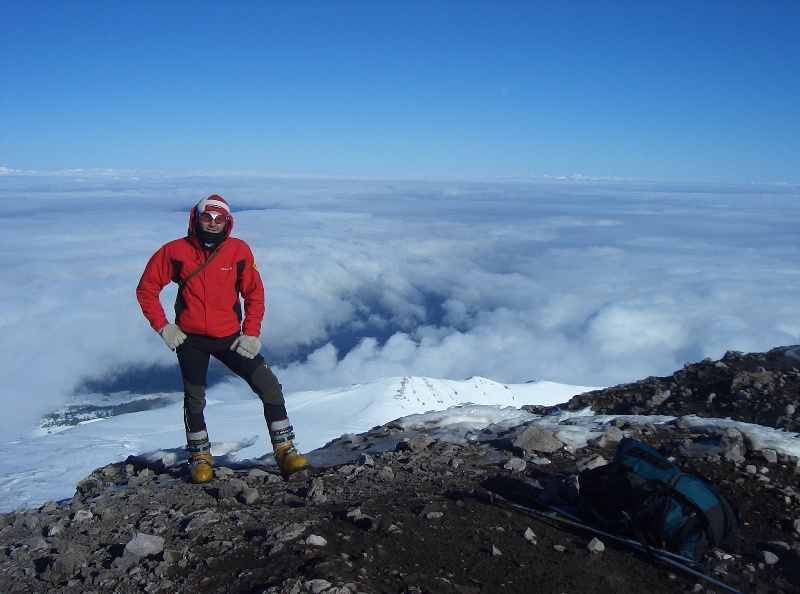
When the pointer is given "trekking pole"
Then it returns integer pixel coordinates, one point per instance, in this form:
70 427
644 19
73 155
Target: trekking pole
658 554
630 541
563 516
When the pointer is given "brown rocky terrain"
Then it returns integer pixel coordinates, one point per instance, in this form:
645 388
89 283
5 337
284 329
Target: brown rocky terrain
414 519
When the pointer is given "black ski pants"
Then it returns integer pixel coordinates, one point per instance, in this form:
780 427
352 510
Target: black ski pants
194 356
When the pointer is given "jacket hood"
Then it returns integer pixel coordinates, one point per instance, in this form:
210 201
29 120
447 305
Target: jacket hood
213 203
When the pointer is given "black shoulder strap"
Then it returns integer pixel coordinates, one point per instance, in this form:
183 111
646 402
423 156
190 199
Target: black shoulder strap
185 280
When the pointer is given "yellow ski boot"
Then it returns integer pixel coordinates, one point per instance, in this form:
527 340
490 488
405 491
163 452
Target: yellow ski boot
287 457
199 456
202 469
289 460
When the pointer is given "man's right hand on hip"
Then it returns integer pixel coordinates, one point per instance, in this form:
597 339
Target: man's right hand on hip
172 335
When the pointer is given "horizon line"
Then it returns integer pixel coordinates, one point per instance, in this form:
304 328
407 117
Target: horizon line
574 177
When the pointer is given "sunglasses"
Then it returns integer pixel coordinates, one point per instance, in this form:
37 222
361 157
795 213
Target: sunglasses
207 217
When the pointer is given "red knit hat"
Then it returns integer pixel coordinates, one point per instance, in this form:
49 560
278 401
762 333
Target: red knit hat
213 203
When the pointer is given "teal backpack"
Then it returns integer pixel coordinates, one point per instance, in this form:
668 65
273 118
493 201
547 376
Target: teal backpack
642 493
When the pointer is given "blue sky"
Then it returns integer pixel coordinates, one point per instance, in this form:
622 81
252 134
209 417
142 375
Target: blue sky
678 90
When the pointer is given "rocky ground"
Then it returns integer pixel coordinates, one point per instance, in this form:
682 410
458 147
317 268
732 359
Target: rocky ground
417 519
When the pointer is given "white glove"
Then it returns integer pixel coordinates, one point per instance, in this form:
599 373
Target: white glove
246 346
172 335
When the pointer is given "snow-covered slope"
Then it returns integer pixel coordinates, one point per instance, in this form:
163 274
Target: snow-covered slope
47 467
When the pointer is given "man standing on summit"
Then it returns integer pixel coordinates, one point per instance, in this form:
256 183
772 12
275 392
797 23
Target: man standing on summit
214 273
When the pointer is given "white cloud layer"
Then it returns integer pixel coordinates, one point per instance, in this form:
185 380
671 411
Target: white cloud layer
579 282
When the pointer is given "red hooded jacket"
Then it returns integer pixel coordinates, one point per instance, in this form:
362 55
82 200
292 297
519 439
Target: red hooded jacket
209 303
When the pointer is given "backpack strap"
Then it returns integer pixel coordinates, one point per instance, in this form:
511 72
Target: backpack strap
185 280
698 516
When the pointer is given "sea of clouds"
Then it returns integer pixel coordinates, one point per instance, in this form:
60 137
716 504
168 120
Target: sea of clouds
585 282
